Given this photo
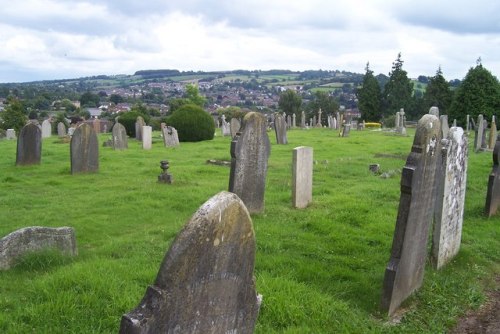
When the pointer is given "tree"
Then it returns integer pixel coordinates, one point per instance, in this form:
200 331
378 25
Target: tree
479 93
13 116
370 97
89 99
193 95
290 102
324 101
438 93
192 123
116 98
398 90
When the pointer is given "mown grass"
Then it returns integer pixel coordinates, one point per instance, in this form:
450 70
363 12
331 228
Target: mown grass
319 269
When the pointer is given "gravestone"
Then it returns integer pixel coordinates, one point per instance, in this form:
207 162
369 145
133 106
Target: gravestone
329 121
493 133
346 129
434 111
493 192
445 128
205 283
334 123
29 145
61 130
250 151
397 120
147 137
46 129
302 176
96 124
234 127
288 119
84 150
120 138
479 131
294 121
314 122
405 271
71 130
280 129
225 127
319 124
170 136
303 119
450 201
139 124
34 239
10 134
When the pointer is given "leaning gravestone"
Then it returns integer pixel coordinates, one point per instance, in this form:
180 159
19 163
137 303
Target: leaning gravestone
61 130
170 136
493 193
302 176
405 272
234 127
147 137
120 138
250 151
29 145
280 129
84 150
450 201
139 124
36 238
205 283
46 129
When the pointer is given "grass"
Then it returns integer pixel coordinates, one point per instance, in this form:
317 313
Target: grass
319 269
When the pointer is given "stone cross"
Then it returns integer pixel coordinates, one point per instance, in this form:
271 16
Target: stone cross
493 192
205 283
405 271
319 124
29 145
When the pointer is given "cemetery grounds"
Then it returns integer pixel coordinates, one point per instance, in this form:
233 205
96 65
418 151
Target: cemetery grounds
319 269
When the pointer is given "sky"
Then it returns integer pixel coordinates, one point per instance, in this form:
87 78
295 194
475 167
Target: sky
62 39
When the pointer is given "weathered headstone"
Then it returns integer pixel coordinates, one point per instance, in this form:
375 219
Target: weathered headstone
139 124
434 111
250 151
493 133
302 176
450 201
319 124
467 129
10 134
120 138
294 121
334 123
170 136
493 192
205 283
147 137
288 119
225 127
96 124
479 131
303 119
71 130
405 271
46 129
314 122
234 127
346 129
280 129
84 150
29 145
445 128
61 130
34 239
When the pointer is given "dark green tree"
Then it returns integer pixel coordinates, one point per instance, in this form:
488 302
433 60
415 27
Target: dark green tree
398 90
89 100
290 102
116 98
479 93
438 93
192 123
13 116
370 97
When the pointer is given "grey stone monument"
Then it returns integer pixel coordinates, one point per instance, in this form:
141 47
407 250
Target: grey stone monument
250 150
434 111
302 176
479 131
61 130
467 129
294 121
234 126
10 134
120 138
493 133
405 271
445 128
170 136
147 137
450 201
280 129
84 150
225 127
319 124
493 192
303 119
139 124
29 145
34 239
46 129
346 129
205 283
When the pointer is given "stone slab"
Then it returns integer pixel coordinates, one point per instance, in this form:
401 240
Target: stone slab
302 176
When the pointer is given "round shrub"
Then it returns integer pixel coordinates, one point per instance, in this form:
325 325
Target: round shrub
192 123
128 120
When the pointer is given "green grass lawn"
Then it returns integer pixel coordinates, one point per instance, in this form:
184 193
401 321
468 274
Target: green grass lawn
319 269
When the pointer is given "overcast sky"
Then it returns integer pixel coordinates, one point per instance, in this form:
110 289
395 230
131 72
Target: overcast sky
58 39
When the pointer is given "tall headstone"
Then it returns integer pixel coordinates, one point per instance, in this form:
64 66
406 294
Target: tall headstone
96 124
319 124
468 123
405 272
450 201
302 176
29 145
225 127
303 119
294 121
147 137
288 121
445 128
46 129
493 192
280 129
120 138
346 129
139 124
334 123
493 133
84 150
61 130
314 122
170 136
479 131
205 283
397 120
10 134
235 126
250 150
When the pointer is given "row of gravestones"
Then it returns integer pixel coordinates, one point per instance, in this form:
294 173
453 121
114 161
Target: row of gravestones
144 133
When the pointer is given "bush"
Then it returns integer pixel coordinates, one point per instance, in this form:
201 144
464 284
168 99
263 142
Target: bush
128 120
192 123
